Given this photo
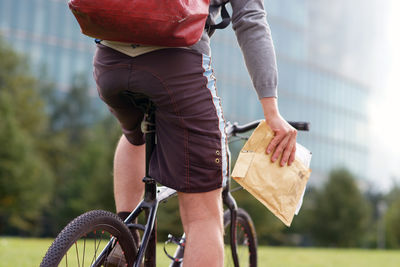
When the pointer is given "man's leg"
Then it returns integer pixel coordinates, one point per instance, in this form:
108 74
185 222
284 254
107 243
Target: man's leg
129 170
201 215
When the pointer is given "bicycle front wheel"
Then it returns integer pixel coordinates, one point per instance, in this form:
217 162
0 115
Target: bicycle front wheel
246 240
82 241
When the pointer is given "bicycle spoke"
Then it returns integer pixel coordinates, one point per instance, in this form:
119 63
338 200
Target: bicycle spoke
77 253
84 250
242 245
95 252
93 259
95 248
87 244
91 263
94 256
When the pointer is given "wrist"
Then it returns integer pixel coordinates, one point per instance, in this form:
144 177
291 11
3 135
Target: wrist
270 106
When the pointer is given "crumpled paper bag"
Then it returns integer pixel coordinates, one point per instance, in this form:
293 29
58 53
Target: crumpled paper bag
280 189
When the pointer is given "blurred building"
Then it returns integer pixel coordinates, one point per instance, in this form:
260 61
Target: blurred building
317 81
47 32
320 79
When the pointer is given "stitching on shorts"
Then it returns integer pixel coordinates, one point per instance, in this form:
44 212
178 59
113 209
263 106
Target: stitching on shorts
226 140
215 109
185 133
98 64
102 70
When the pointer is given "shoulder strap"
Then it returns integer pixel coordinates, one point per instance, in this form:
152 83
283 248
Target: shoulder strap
226 19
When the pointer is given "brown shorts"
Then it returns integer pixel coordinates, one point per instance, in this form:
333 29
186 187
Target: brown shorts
190 155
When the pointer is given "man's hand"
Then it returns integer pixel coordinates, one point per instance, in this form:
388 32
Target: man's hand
284 142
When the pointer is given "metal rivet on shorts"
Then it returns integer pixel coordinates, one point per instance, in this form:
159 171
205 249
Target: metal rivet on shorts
217 160
217 152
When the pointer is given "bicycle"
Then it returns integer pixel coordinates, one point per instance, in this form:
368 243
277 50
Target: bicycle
87 232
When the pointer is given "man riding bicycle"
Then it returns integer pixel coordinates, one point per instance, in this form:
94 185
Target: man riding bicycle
190 155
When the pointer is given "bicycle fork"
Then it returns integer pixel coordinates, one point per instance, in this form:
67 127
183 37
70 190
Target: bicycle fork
178 256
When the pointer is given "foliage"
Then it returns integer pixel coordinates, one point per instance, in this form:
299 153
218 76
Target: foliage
299 233
268 227
392 219
56 162
57 147
25 183
81 156
341 213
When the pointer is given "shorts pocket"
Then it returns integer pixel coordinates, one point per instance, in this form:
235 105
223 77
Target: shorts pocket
204 180
205 151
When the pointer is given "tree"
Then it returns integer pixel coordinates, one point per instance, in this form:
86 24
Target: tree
299 232
81 154
341 213
269 228
57 147
392 219
25 178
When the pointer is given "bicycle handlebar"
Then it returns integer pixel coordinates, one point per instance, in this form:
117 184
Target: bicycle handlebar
300 125
234 128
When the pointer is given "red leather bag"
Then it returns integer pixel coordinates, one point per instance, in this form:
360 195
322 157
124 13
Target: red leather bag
171 23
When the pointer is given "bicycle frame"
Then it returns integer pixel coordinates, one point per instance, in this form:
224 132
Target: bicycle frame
107 221
154 195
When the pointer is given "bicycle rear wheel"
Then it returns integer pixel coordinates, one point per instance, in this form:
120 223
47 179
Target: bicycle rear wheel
246 239
81 242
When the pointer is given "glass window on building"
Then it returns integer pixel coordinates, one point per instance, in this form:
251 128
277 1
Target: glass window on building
5 13
31 15
21 21
64 67
40 18
13 19
35 52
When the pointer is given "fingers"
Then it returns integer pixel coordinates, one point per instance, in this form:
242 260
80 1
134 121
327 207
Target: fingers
283 144
289 153
279 149
292 155
275 141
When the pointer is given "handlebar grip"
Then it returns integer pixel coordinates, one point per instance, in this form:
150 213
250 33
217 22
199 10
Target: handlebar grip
300 125
234 128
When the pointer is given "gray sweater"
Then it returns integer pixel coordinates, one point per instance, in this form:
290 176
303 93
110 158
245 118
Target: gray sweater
254 37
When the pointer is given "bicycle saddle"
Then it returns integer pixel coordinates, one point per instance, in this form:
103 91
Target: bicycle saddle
140 101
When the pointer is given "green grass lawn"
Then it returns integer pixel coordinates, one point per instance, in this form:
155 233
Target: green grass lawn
29 252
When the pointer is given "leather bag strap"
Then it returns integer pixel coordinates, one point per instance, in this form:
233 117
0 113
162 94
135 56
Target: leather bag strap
226 19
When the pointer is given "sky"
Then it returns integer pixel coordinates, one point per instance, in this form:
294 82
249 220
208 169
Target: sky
384 106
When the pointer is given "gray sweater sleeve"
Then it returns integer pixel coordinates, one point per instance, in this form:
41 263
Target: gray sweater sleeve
254 37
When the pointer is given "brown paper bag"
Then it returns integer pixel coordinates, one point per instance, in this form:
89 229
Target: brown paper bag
279 188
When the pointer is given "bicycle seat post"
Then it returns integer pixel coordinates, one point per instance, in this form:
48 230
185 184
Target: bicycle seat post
149 128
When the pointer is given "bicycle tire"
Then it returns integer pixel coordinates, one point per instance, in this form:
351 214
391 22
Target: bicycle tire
246 239
85 226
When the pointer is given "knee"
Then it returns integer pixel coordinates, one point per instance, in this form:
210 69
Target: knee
201 209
